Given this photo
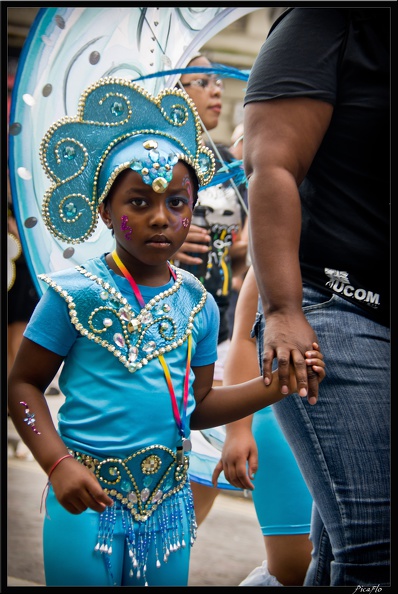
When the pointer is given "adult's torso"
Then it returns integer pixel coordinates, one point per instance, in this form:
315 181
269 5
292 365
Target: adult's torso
340 56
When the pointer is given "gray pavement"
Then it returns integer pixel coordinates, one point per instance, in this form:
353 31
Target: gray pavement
229 543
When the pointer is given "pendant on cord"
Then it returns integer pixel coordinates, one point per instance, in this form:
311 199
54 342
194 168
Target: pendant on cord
186 446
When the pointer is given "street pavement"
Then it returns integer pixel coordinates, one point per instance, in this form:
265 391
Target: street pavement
229 543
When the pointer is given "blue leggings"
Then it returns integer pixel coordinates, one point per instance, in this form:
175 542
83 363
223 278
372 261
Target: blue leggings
281 498
70 559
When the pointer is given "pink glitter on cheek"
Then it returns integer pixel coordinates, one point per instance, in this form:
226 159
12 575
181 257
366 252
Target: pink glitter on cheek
125 227
185 222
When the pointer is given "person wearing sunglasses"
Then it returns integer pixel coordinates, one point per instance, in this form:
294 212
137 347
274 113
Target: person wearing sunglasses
225 249
205 82
225 204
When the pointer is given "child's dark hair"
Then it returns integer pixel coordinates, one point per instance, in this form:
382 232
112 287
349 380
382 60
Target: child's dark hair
195 182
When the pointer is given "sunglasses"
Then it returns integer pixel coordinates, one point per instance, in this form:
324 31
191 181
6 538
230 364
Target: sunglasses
203 83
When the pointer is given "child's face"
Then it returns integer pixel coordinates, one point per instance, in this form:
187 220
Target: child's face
148 225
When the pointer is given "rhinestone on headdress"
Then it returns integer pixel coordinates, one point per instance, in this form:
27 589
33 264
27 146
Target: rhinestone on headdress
118 125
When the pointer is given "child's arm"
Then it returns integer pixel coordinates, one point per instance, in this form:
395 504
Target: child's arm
224 404
75 487
239 459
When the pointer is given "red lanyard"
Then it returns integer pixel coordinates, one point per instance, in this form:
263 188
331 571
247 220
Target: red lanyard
179 421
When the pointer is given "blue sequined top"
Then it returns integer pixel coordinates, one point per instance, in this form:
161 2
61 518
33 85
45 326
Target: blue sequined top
116 395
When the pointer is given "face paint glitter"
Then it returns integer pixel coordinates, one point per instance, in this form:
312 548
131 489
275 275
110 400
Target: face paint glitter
188 184
185 222
125 227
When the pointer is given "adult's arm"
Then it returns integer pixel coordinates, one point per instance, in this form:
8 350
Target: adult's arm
282 137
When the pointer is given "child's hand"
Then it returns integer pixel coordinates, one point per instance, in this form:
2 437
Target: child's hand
77 488
313 359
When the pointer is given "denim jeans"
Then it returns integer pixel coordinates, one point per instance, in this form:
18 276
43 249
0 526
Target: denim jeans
342 444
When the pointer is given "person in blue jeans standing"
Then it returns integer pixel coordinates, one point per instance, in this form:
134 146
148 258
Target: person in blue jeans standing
317 105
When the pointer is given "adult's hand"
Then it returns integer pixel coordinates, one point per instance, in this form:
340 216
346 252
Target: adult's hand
198 240
287 337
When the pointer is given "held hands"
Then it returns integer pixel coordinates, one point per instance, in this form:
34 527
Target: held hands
240 455
77 489
287 338
315 367
197 241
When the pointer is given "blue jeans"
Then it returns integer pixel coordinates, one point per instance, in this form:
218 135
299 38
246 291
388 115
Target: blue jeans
342 444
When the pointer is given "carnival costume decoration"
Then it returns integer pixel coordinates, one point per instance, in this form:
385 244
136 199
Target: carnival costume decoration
67 50
118 125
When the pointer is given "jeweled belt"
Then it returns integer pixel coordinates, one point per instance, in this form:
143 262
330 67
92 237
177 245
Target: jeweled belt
142 481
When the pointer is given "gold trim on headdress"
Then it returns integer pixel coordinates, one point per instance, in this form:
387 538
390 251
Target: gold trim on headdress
118 124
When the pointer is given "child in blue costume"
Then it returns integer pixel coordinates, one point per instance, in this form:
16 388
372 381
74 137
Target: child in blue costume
137 338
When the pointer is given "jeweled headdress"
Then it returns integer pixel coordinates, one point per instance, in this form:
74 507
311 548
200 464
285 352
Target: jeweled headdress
118 125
